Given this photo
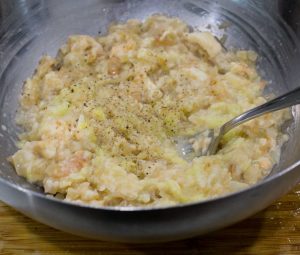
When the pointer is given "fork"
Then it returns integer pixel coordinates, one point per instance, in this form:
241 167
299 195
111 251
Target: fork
186 147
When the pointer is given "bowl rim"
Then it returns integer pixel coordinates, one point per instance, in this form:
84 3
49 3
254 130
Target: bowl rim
48 197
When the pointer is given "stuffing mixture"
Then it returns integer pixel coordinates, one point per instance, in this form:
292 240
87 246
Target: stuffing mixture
100 118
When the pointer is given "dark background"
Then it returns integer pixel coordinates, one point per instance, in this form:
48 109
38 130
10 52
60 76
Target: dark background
288 9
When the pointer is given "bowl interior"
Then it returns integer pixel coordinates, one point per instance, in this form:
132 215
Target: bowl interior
36 28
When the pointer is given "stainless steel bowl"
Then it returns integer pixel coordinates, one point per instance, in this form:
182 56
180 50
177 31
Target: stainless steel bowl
35 27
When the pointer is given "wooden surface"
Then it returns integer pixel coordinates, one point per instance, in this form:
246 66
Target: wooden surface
275 230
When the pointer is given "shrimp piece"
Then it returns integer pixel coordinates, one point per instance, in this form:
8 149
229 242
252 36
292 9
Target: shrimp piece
74 164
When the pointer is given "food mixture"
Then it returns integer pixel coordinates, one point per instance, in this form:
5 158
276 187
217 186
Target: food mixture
100 119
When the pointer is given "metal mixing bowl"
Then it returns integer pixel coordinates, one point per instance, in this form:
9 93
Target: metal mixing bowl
37 27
